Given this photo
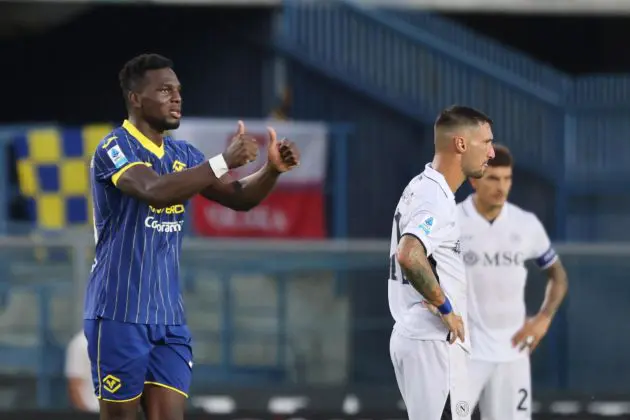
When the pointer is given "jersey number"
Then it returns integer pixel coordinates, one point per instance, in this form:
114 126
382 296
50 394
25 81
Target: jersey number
393 264
521 405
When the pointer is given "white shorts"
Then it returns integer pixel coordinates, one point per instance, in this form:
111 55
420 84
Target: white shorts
503 389
429 374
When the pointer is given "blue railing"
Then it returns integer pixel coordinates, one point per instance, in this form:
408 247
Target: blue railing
422 63
258 318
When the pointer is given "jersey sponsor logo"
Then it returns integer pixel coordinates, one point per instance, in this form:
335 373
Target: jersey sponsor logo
176 209
496 259
163 227
117 157
427 225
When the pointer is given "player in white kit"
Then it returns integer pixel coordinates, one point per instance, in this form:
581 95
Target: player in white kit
497 238
427 282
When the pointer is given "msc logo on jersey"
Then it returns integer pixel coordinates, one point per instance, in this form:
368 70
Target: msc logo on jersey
178 166
111 384
427 225
496 259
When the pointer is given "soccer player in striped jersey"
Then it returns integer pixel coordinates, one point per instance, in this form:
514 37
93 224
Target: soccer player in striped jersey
142 179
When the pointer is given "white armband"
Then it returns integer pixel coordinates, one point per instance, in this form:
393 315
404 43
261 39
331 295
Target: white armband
218 165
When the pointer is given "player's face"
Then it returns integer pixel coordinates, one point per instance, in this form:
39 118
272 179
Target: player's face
479 150
161 99
494 187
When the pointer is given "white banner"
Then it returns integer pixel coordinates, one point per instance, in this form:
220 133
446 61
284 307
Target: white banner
212 137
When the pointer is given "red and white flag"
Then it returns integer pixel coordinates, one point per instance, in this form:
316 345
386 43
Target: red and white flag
294 209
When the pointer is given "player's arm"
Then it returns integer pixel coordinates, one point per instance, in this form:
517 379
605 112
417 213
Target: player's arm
414 263
143 183
412 256
248 192
557 287
546 258
116 160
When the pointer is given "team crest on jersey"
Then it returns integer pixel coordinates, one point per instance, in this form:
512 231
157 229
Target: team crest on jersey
427 225
117 157
178 166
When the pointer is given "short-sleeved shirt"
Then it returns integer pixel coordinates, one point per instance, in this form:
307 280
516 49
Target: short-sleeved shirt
495 254
135 275
427 210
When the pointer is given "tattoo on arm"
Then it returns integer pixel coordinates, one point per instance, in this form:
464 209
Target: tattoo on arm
415 266
557 287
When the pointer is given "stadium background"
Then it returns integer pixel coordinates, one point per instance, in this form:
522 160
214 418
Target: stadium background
296 318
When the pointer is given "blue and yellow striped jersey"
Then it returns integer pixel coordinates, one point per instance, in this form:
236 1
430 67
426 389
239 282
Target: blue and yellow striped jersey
135 275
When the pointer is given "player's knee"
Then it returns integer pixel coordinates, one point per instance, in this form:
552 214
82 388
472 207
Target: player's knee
163 403
119 411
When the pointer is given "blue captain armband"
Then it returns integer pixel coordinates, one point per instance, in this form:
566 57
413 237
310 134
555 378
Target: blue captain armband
446 307
546 259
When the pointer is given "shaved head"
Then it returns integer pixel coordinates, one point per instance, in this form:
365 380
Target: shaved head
467 133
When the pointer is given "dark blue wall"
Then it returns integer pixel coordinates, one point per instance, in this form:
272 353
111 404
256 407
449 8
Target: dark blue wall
71 73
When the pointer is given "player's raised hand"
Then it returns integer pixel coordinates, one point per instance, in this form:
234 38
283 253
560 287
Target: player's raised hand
283 155
242 149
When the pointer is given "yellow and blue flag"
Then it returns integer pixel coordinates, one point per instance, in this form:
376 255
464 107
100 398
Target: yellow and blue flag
53 173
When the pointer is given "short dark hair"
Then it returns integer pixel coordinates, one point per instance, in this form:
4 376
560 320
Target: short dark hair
457 115
134 70
502 157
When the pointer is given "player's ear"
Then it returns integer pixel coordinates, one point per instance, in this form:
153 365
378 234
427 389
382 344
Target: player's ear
460 145
133 99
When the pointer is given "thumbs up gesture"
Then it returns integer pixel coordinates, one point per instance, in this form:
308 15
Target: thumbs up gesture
242 149
283 155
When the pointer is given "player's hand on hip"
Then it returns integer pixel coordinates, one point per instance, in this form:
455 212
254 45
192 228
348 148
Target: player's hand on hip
455 325
283 155
531 333
432 308
242 149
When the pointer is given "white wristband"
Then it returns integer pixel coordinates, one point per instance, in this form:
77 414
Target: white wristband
218 165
